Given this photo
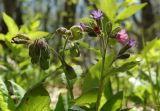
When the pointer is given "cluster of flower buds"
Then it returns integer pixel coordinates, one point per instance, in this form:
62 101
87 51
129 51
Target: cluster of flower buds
74 33
96 29
39 53
119 34
21 39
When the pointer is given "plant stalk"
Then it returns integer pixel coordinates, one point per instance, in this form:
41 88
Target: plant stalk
100 91
63 63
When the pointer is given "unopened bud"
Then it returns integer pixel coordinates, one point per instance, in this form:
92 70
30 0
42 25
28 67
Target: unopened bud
123 56
61 30
20 39
41 43
76 32
68 33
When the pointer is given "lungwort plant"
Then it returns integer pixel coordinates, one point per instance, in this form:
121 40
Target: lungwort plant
103 26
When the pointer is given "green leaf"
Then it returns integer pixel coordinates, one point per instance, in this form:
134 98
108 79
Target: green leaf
11 25
124 67
87 98
108 27
109 8
35 25
2 37
143 75
85 20
108 93
6 97
126 109
136 99
3 104
76 108
114 103
37 35
93 76
74 50
44 63
150 45
36 99
60 104
129 11
4 90
17 90
69 72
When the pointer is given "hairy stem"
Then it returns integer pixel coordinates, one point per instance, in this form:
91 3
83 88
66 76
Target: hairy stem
69 86
103 53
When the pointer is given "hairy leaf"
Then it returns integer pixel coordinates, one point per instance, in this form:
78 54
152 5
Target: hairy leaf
129 11
114 103
5 97
11 25
36 99
3 104
87 98
60 104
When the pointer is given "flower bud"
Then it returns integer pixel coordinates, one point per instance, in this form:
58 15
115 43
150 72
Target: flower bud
68 33
39 53
131 43
123 56
122 36
61 30
20 39
76 32
91 31
41 43
83 26
97 30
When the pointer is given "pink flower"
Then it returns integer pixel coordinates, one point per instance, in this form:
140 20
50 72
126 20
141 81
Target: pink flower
122 36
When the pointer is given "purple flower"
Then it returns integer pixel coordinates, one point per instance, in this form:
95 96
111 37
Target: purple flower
97 14
122 36
83 26
131 43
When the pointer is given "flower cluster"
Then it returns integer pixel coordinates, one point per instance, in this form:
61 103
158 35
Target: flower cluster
120 35
95 30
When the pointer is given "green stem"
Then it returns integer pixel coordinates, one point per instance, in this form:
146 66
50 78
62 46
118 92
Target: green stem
70 88
65 44
100 91
65 71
